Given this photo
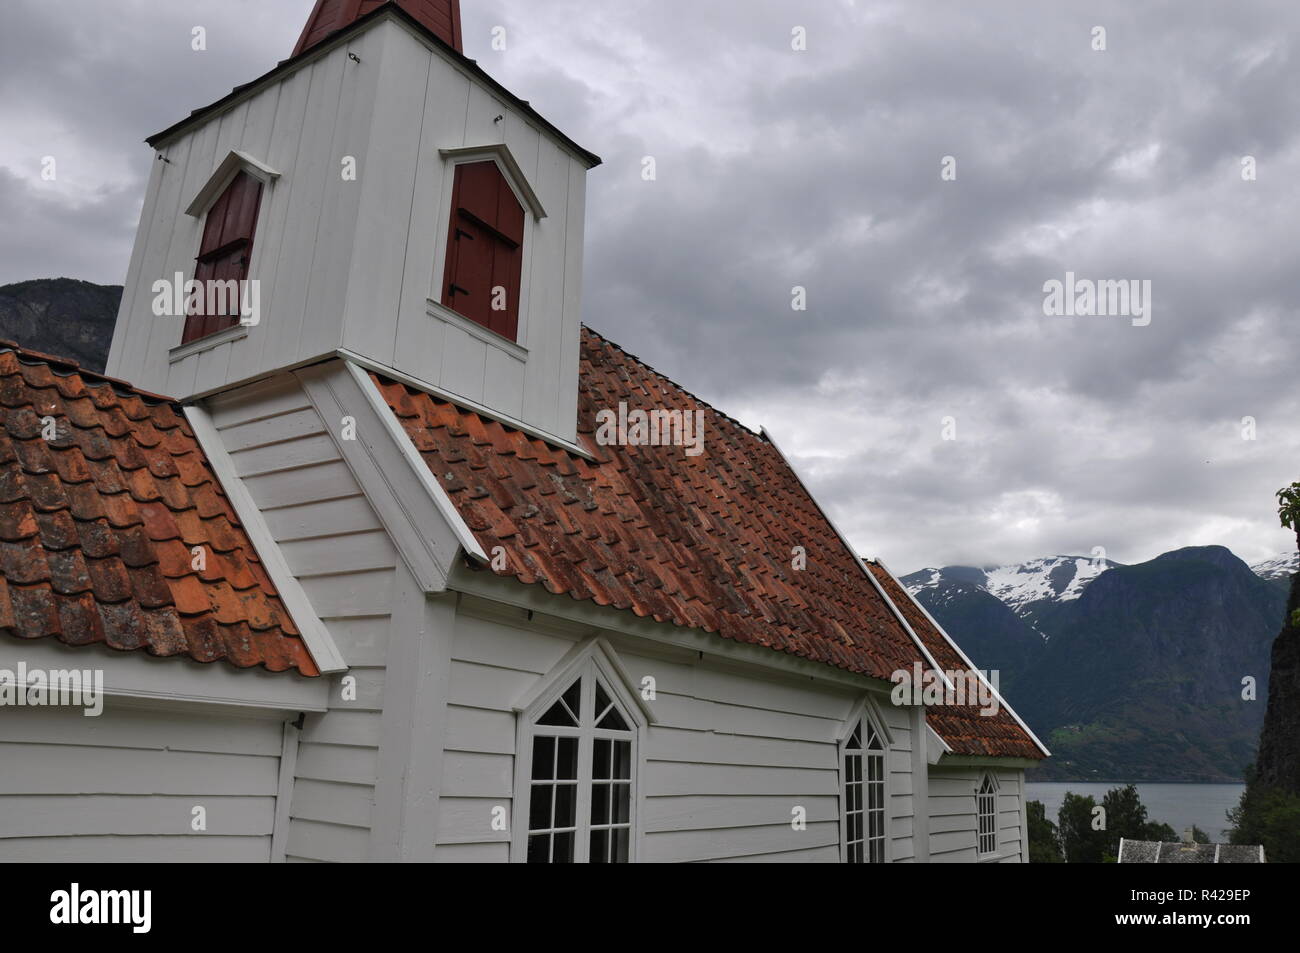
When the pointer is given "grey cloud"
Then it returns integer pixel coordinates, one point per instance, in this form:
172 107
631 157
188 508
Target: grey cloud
821 169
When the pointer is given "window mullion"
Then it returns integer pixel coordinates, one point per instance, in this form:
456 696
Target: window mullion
582 848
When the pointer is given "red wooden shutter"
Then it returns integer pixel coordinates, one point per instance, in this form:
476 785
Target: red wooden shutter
226 251
485 248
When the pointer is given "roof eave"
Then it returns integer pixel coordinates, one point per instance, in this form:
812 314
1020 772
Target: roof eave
387 11
965 658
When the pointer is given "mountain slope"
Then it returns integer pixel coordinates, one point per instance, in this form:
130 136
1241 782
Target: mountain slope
61 316
1283 566
991 635
1126 672
1144 678
1278 571
1033 590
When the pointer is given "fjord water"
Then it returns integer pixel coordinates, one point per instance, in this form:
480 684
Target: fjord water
1178 805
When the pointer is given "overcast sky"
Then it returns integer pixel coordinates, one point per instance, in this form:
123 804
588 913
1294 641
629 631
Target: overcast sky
821 168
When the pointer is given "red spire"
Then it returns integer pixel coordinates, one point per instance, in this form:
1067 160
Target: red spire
330 16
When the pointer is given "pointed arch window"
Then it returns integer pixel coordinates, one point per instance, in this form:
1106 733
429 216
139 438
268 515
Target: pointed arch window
580 750
986 806
863 798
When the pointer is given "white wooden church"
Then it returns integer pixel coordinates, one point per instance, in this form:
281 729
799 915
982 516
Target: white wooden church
352 570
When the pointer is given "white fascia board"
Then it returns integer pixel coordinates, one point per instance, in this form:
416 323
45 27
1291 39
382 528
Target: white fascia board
989 761
433 390
536 598
320 644
416 462
866 570
935 746
420 519
138 677
234 163
964 657
500 153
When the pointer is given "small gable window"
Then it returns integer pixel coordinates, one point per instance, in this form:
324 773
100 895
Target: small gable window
224 256
863 802
485 249
986 806
582 752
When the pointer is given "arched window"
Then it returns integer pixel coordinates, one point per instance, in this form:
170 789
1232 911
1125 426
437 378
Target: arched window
863 799
579 752
986 807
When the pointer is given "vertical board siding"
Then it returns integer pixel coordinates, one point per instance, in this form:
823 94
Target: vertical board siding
734 753
122 787
335 546
355 261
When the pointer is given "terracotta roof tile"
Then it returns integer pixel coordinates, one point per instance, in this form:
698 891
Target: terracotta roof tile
964 728
97 527
705 542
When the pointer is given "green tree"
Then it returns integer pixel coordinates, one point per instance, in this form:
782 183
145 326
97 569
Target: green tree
1126 817
1154 830
1288 511
1267 816
1044 840
1269 810
1080 842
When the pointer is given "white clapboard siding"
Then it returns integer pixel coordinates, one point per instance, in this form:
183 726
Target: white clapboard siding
482 853
954 821
123 786
335 546
734 843
136 850
735 756
1012 838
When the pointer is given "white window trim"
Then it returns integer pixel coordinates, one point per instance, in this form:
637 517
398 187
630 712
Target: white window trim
595 657
864 710
236 332
511 349
500 154
992 779
234 163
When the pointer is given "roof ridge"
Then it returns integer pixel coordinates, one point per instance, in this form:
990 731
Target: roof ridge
664 377
381 11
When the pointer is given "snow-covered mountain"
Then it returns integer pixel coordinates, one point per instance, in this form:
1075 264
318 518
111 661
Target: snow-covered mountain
1278 567
1027 588
1109 663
